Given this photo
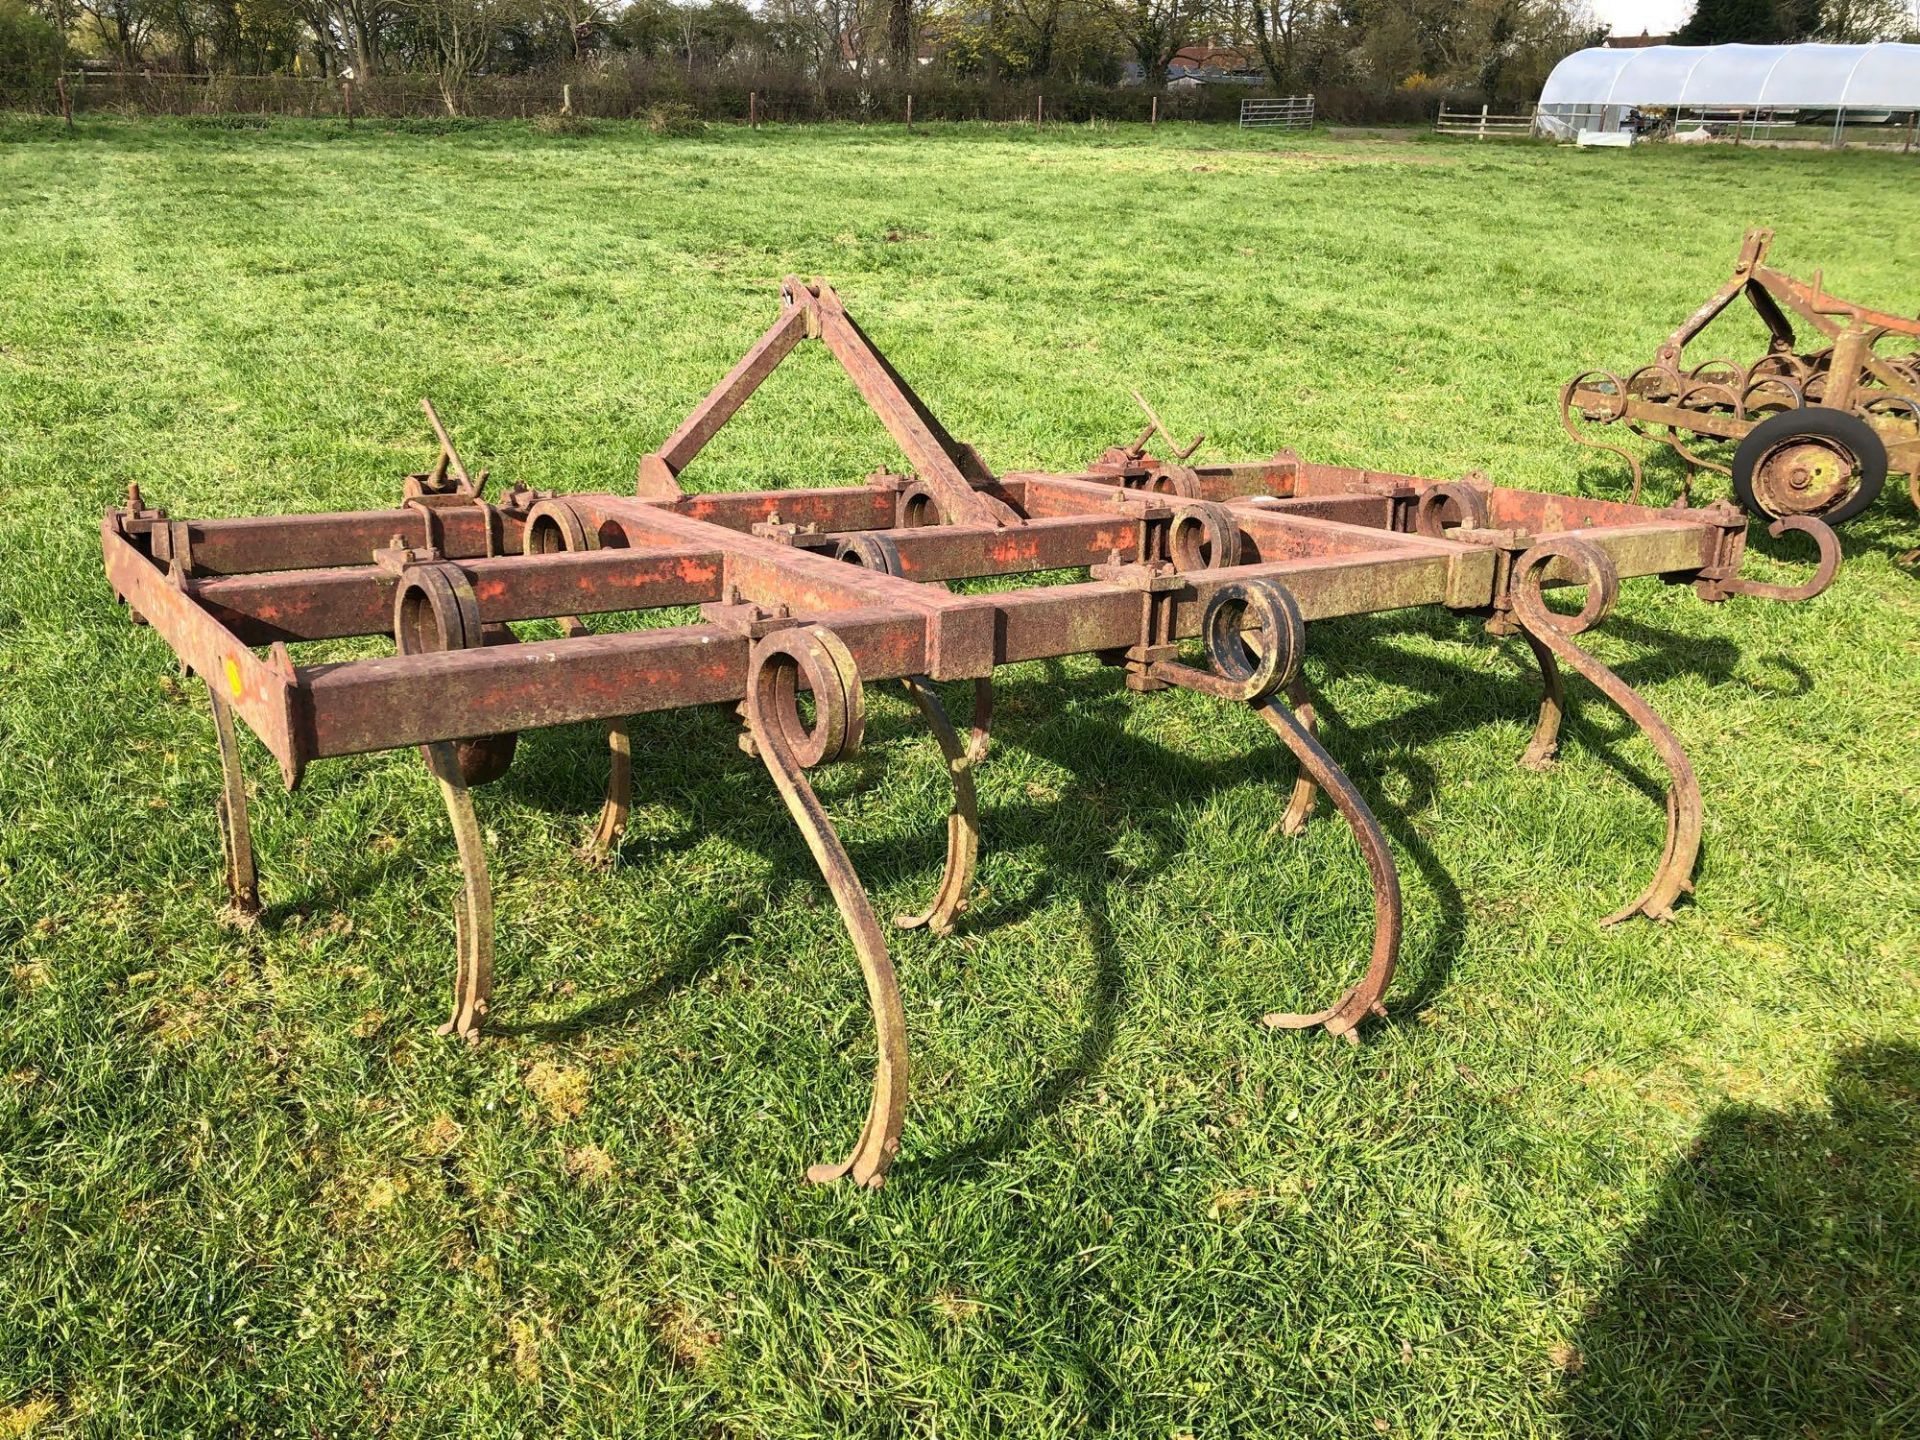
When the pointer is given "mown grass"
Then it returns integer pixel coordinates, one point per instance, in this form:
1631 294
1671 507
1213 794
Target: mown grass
1655 1180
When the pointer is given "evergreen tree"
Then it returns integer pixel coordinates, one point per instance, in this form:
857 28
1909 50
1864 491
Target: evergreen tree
1750 22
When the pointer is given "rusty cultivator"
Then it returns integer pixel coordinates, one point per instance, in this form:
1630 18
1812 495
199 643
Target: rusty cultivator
1815 430
833 589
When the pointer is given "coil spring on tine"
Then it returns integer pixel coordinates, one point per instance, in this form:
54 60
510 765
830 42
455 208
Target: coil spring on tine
556 520
1617 410
1182 481
1430 510
434 608
1602 579
1654 382
1720 372
1203 536
1258 669
869 552
1757 390
1704 394
917 508
779 663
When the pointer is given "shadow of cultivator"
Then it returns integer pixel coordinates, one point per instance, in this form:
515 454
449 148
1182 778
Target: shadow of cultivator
830 590
1814 430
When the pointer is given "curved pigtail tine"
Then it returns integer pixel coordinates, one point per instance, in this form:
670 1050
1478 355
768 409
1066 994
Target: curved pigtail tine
1552 636
776 668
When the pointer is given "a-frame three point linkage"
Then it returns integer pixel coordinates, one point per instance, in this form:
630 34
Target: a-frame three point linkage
829 589
950 472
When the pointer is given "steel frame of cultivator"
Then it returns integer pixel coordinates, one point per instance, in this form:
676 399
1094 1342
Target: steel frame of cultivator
1779 470
828 590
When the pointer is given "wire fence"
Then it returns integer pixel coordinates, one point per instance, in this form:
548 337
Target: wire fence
623 94
644 89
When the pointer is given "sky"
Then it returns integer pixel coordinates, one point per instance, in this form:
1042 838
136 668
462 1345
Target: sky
1655 17
1630 17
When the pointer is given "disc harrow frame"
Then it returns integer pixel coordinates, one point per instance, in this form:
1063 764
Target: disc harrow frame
1816 430
828 590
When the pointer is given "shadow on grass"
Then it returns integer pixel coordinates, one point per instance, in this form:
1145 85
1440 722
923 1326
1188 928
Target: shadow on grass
1889 525
690 962
1776 1290
1157 813
1462 697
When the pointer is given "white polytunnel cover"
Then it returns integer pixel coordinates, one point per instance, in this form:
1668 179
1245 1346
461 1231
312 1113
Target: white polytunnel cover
1814 77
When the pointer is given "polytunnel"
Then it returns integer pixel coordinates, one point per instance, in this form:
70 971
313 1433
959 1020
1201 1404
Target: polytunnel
1746 85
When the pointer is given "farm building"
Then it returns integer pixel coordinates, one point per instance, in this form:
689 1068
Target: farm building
1602 88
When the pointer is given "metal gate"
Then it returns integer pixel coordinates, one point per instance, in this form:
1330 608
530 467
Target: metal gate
1295 112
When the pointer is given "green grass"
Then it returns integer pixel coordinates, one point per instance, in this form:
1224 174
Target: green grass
1657 1180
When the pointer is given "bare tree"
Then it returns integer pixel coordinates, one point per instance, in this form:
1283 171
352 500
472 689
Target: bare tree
360 28
900 34
1856 22
581 18
832 33
123 27
1279 28
1038 24
1155 30
460 35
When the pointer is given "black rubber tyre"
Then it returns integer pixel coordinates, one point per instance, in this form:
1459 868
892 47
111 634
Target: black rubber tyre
1821 423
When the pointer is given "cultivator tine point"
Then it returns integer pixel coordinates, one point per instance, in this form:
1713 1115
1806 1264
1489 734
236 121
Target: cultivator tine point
436 612
1305 793
473 906
977 738
1255 638
1544 746
1345 1015
236 835
1545 628
781 661
618 805
963 820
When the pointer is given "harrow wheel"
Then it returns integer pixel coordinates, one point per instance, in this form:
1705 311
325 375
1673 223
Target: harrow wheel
1814 461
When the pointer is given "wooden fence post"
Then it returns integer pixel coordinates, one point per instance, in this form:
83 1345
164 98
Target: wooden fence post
909 110
1039 111
566 99
753 109
1483 122
1153 121
346 92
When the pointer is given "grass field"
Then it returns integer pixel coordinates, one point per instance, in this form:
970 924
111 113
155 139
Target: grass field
1659 1180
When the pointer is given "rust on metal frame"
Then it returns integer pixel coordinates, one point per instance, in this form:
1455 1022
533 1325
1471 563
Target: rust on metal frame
1199 577
1815 428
